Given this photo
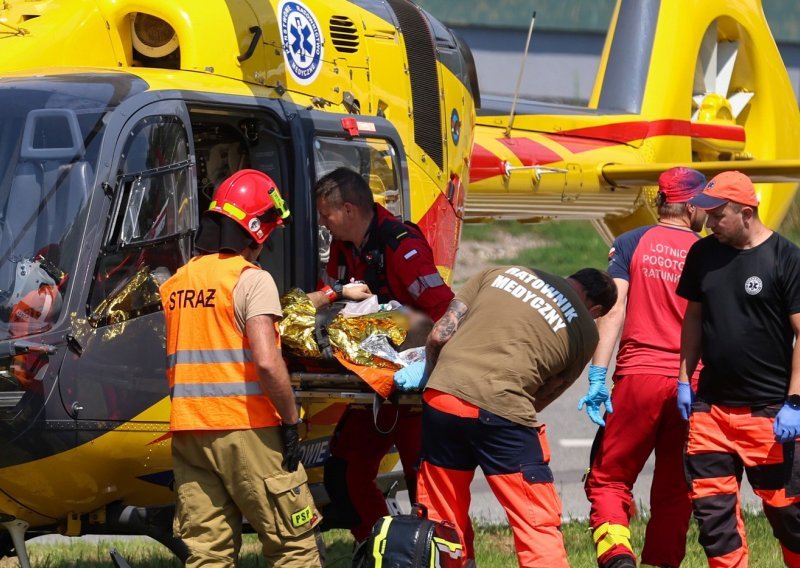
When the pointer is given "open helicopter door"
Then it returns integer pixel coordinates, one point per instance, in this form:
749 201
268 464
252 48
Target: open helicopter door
372 147
115 374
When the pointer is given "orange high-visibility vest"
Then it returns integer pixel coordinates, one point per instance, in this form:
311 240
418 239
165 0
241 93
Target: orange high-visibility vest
212 379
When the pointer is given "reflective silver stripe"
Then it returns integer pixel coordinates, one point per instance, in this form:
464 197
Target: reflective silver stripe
209 356
216 389
422 283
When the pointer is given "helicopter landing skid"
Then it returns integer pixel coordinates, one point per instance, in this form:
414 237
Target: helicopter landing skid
16 529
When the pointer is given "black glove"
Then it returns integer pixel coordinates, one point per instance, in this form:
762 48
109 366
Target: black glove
291 446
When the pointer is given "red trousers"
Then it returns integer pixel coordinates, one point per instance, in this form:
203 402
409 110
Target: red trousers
724 441
645 418
514 459
357 448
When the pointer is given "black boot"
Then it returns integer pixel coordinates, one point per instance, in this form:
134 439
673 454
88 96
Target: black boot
621 561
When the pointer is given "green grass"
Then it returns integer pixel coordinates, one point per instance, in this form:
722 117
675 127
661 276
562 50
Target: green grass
486 231
493 544
570 245
790 228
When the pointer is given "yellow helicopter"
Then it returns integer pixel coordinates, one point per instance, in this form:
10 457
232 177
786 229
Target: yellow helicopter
119 117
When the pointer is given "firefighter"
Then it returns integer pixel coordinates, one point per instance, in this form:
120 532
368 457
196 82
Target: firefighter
743 318
511 342
394 261
234 419
645 264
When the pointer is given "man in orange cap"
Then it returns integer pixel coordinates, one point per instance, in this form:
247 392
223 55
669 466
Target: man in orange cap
743 317
645 264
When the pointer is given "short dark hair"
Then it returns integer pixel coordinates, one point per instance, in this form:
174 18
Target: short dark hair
599 287
344 185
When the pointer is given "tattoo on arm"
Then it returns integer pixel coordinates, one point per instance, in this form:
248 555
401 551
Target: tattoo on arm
443 330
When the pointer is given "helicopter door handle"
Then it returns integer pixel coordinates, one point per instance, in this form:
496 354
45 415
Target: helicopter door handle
256 31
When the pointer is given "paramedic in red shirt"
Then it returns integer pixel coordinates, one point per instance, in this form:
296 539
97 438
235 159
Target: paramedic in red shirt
394 261
646 264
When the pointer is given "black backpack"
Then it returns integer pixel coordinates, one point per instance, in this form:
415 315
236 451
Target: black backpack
411 541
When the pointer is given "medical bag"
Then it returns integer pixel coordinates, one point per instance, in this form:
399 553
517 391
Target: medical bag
410 541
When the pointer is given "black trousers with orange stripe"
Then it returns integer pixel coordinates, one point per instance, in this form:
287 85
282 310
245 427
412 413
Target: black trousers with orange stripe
723 443
514 459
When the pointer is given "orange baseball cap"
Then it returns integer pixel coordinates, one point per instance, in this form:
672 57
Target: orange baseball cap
727 186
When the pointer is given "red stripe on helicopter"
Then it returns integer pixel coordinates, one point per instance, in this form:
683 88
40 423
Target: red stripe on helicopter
483 164
629 131
576 144
530 153
441 228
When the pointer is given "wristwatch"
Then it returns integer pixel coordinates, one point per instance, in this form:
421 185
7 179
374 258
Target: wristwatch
793 400
337 287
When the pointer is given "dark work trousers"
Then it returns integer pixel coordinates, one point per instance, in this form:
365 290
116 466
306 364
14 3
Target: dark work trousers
723 442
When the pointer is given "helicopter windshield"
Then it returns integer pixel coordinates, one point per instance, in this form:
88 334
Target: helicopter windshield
51 129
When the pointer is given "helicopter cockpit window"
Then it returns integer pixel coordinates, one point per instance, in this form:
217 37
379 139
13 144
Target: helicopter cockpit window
375 159
155 216
51 130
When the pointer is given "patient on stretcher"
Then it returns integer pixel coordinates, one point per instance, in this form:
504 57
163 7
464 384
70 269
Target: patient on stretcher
367 338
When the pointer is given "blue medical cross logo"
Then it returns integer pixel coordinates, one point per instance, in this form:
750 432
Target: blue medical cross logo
302 41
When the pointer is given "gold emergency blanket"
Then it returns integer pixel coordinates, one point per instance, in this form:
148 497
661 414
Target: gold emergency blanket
345 333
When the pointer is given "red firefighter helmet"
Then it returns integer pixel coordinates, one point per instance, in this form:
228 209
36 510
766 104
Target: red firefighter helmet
252 199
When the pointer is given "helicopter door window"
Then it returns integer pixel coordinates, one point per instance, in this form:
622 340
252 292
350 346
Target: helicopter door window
375 159
155 216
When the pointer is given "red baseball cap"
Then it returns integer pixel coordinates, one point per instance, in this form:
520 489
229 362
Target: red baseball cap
679 185
727 186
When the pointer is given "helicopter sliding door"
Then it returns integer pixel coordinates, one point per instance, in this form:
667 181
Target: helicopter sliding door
116 373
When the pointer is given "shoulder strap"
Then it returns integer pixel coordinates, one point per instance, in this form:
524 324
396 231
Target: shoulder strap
392 232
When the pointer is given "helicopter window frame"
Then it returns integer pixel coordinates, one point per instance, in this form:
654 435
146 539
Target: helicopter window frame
389 197
396 207
133 261
122 231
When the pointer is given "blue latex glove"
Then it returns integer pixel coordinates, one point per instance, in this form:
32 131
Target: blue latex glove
685 399
411 377
598 394
787 424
